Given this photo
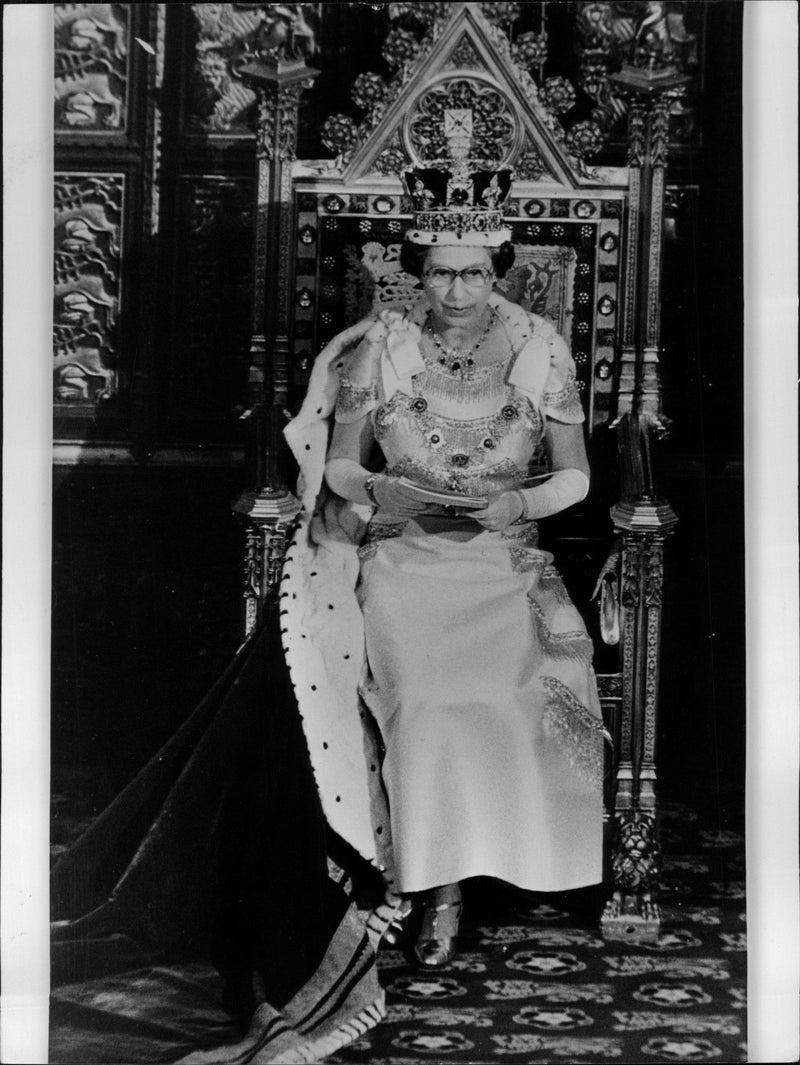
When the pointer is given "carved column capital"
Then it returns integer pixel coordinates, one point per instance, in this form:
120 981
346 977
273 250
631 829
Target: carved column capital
659 132
637 134
631 571
276 132
644 518
654 571
649 96
270 514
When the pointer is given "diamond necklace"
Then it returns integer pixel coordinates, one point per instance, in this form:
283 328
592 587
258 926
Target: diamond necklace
459 360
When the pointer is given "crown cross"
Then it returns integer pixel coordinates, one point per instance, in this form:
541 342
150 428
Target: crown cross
458 131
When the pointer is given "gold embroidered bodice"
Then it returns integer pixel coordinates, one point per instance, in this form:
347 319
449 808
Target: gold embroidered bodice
474 435
470 431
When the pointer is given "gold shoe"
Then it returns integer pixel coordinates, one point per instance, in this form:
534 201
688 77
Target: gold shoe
435 944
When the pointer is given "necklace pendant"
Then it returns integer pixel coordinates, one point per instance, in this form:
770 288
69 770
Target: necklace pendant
453 358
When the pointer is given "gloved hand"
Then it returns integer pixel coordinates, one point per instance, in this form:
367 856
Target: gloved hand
503 511
396 498
348 479
562 489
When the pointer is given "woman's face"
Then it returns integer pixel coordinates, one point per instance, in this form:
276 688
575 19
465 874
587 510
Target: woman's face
458 305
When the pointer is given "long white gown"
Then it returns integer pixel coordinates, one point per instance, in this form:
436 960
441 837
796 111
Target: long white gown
479 671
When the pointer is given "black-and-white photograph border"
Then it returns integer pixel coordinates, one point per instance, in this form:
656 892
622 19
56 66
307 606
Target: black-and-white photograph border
478 741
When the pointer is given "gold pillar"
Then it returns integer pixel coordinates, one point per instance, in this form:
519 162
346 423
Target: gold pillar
278 75
649 95
633 913
642 518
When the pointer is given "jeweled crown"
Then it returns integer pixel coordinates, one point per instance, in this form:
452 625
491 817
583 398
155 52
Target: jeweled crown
458 200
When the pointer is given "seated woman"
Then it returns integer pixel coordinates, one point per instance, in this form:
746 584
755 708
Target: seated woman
474 666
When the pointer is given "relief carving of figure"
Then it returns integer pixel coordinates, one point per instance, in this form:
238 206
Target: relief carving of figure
492 194
94 23
594 24
221 98
213 73
422 195
83 224
625 28
82 271
656 29
79 303
285 34
80 235
79 373
90 72
653 39
213 22
81 107
223 45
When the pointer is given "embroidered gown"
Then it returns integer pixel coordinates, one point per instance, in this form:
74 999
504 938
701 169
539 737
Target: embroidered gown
478 666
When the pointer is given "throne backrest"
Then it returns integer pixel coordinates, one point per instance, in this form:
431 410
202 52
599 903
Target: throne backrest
567 220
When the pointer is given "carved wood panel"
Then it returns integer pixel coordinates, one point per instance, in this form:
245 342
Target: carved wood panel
108 59
92 50
86 294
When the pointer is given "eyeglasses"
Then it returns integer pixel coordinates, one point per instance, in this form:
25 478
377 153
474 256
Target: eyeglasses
472 276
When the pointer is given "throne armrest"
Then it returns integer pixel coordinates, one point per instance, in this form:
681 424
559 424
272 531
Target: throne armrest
270 514
607 590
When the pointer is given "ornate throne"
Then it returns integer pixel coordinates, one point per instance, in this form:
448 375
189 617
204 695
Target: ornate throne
588 245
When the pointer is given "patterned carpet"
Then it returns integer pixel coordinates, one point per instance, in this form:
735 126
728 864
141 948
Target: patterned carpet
533 981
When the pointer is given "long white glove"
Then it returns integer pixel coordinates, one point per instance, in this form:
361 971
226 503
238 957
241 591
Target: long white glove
347 478
562 489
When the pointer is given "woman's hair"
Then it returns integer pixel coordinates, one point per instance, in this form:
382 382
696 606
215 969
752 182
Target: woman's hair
413 256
